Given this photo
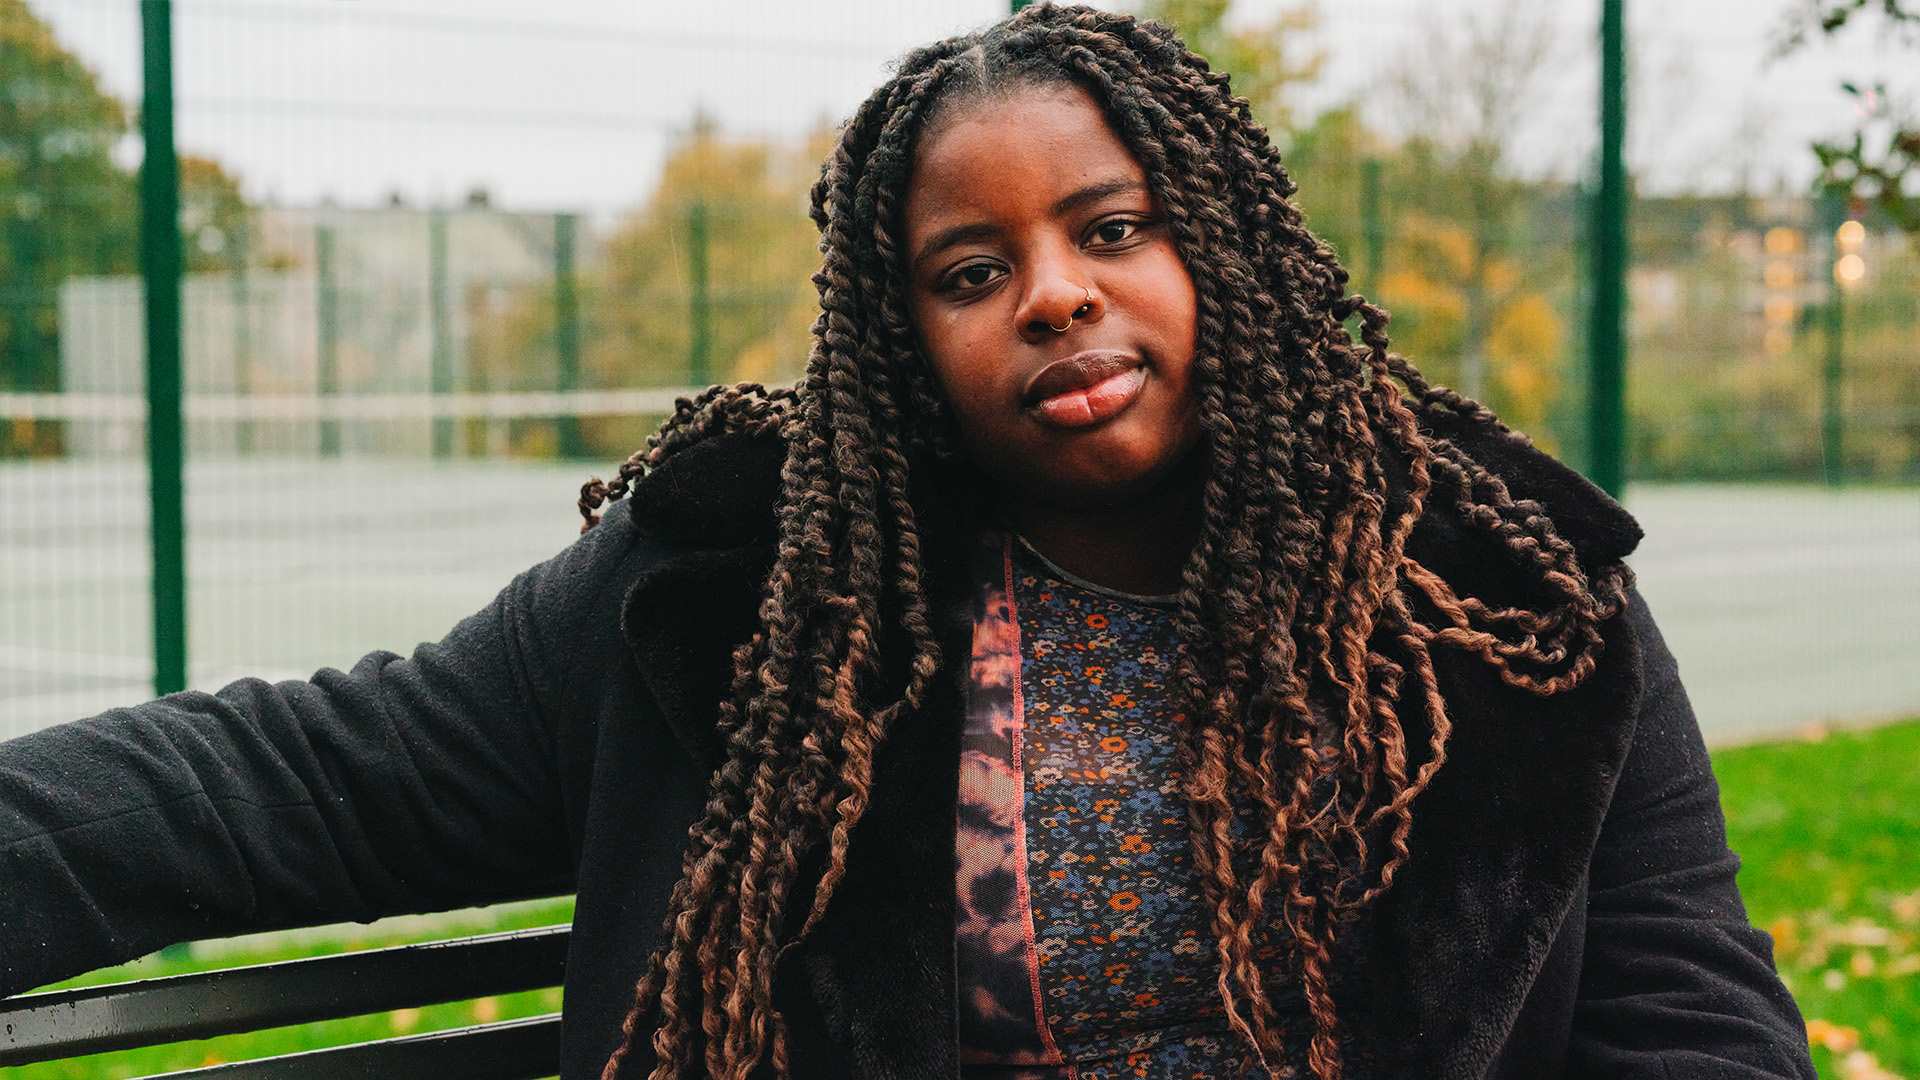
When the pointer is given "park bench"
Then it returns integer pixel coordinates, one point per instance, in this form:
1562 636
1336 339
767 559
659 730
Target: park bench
56 1024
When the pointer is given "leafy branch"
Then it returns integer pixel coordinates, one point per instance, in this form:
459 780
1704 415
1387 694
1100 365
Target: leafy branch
1874 174
1874 162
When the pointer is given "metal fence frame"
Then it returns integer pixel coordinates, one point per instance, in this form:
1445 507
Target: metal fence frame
161 269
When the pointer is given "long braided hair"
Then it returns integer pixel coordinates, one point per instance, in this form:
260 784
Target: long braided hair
1304 621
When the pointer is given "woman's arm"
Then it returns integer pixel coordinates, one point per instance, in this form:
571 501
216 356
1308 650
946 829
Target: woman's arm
407 784
1677 983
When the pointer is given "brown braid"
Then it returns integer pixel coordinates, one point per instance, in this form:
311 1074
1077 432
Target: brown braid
1304 620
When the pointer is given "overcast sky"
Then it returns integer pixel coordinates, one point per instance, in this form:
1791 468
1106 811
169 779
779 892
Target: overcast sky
570 103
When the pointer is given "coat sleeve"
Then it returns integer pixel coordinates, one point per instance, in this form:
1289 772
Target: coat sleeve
1677 982
406 784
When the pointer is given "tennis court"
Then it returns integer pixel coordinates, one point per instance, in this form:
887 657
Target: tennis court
1787 606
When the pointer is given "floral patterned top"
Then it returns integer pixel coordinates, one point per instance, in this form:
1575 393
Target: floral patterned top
1083 947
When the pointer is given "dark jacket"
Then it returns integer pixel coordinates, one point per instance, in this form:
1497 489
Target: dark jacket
1569 908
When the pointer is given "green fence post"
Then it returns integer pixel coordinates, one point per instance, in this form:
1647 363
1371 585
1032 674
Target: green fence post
699 357
1833 211
566 330
439 322
160 261
1578 415
1375 226
327 318
237 245
1606 398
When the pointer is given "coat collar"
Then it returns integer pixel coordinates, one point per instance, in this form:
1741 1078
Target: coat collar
1440 967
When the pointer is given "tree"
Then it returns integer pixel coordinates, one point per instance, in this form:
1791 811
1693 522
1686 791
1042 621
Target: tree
1328 161
1430 289
66 208
212 211
1266 60
1460 300
642 322
1878 161
1463 94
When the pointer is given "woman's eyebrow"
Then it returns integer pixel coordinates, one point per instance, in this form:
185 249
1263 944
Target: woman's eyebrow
1096 191
981 230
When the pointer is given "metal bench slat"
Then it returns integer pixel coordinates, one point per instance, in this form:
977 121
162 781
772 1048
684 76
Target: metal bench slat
525 1049
69 1023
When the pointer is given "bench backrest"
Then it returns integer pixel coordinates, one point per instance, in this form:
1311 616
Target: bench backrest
68 1023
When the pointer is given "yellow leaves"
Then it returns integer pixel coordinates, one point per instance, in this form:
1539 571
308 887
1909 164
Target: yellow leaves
1429 321
756 362
1433 300
716 167
1862 933
1825 954
1426 290
1436 247
760 255
39 69
1525 330
1857 948
1502 276
744 200
1524 347
1835 1037
1785 932
20 29
1843 1042
1861 1065
1439 282
1906 908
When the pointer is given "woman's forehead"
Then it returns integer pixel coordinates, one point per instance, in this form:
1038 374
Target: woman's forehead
1004 150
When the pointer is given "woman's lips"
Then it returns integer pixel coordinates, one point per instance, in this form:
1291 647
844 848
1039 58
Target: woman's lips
1092 404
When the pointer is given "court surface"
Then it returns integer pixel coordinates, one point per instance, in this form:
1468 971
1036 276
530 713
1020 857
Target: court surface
1788 607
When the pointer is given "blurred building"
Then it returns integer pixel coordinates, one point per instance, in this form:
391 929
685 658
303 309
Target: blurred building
353 288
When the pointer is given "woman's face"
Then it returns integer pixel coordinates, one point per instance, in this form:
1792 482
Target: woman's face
1016 211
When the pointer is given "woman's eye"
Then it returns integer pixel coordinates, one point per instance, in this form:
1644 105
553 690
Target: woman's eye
1100 230
960 278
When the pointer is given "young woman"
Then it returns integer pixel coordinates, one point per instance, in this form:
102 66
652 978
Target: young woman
1096 666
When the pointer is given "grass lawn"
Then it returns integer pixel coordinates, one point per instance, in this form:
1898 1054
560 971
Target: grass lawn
191 1055
1828 829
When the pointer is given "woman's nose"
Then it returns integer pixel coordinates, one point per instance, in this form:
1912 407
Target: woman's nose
1053 308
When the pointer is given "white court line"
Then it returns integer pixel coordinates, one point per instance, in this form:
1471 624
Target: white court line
510 404
115 669
87 665
35 712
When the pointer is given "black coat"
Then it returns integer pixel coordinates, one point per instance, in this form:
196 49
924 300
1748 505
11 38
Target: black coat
1569 908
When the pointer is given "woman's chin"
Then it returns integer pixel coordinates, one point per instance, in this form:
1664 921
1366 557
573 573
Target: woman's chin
1110 476
1103 467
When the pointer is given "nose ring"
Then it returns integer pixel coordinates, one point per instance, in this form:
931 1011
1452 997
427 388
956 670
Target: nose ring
1076 311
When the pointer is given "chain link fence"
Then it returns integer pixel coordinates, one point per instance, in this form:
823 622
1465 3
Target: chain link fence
442 263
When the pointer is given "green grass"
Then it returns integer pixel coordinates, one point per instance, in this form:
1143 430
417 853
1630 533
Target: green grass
1828 831
1829 834
286 1040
